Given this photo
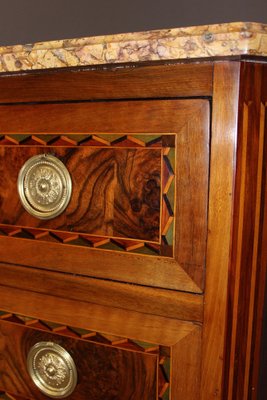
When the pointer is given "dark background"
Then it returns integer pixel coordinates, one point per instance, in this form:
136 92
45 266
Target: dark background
27 21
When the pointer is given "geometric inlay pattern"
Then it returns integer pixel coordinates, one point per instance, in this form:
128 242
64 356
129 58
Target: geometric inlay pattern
81 239
100 140
96 337
165 142
168 201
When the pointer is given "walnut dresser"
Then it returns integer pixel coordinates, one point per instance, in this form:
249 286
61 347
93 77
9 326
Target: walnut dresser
133 216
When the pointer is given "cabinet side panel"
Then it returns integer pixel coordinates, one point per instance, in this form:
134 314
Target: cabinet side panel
260 327
248 261
222 168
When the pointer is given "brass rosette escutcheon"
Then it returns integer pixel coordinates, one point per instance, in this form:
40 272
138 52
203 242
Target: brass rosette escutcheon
52 369
44 186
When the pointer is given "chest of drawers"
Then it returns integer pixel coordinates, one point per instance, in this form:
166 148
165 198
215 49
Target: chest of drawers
133 216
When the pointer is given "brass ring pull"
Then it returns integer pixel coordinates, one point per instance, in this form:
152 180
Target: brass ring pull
52 369
44 186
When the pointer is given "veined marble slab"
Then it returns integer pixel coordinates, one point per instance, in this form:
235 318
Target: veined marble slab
229 39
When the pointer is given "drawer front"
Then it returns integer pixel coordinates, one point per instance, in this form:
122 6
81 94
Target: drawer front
104 371
138 206
146 357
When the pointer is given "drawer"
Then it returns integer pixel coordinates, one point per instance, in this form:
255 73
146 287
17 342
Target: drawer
37 364
138 189
145 357
158 356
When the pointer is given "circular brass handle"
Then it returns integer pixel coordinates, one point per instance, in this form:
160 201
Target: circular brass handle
52 369
44 186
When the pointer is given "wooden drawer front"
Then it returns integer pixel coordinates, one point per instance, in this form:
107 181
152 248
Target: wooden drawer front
139 195
143 357
104 371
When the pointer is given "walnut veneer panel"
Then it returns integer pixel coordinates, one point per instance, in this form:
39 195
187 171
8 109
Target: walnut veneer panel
116 191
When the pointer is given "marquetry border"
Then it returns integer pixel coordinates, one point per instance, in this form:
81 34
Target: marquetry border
95 140
163 352
165 142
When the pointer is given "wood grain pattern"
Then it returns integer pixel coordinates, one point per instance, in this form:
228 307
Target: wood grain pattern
189 121
8 396
89 336
154 117
115 192
223 145
103 371
257 377
108 320
113 82
143 327
168 303
248 283
163 352
187 352
122 266
149 297
189 253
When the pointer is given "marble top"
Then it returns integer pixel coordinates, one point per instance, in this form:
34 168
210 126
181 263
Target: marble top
220 40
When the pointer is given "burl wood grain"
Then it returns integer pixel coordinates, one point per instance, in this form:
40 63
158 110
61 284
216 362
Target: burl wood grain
116 192
104 372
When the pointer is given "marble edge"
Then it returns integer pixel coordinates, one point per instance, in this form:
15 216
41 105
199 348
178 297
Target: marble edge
228 39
